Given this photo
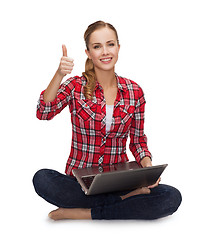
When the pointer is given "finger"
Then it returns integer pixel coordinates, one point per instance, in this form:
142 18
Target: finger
67 59
64 50
154 185
66 68
65 72
66 65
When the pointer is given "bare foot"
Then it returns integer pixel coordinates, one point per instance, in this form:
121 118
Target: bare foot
137 191
70 213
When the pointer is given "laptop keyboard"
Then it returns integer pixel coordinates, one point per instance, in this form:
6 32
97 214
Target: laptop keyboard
88 181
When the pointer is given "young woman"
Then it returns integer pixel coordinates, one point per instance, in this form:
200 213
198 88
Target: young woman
105 108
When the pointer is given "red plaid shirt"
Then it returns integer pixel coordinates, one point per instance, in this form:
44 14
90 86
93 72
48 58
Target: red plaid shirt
91 144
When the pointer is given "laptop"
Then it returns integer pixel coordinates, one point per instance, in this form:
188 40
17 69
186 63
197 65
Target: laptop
117 177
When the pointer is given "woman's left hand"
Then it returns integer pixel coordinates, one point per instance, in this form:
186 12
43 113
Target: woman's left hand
156 184
146 162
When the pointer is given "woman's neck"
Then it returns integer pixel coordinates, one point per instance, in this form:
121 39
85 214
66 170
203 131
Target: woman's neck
106 79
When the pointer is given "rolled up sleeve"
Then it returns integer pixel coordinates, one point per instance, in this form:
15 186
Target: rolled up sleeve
47 111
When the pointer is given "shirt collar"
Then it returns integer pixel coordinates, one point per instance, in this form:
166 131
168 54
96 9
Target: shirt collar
120 84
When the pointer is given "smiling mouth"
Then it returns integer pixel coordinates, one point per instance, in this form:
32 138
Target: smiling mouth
106 60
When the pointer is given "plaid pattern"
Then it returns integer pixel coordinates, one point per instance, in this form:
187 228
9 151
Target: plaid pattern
91 145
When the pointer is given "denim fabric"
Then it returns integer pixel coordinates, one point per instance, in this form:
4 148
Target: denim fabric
64 191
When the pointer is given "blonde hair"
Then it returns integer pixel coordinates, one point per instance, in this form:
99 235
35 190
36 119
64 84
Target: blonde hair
89 73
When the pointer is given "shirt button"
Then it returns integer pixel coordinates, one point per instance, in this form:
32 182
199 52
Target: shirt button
101 169
101 160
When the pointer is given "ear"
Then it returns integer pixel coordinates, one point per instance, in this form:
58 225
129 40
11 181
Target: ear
119 47
88 53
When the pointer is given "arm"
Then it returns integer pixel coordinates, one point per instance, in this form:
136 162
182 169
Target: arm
56 96
138 140
51 91
65 67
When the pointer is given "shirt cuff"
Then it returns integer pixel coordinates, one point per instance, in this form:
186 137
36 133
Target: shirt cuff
143 154
48 104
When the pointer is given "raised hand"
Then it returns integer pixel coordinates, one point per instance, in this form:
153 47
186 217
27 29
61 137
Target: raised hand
66 63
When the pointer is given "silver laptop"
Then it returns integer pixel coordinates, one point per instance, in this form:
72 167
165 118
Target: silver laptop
117 177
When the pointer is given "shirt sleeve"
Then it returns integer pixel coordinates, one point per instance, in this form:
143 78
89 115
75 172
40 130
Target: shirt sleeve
138 140
46 111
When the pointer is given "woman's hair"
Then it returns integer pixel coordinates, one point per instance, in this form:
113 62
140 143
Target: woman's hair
89 67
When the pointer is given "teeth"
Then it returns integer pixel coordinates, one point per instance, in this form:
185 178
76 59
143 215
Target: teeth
106 59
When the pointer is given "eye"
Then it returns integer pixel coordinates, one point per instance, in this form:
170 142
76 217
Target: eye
111 44
96 46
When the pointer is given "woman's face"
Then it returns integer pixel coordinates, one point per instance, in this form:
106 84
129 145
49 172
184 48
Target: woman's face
103 49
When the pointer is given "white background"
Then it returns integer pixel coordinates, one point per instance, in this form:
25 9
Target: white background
162 48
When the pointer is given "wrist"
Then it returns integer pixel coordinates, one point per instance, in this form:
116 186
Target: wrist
146 162
59 75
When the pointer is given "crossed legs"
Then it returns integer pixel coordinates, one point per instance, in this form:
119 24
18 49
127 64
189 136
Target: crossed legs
65 192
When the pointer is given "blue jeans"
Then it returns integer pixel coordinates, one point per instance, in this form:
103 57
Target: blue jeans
65 192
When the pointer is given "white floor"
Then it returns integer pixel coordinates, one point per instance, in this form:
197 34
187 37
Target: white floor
32 223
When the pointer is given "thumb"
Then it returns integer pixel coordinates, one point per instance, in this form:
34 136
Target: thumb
64 50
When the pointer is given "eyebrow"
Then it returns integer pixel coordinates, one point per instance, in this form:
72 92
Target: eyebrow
106 42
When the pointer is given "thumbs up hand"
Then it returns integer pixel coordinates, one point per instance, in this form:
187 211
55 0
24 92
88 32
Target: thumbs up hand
66 64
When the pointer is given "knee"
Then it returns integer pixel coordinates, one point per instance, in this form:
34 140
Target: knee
40 180
173 199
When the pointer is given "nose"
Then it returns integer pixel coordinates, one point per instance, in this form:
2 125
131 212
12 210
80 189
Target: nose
105 50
